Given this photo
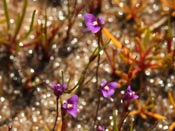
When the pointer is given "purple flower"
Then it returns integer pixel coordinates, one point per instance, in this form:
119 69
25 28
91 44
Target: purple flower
108 88
58 89
129 94
100 128
71 105
93 24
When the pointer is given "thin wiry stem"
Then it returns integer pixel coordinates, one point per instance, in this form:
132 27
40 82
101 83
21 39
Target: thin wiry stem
82 77
63 117
98 102
153 126
122 121
62 77
94 55
53 129
97 70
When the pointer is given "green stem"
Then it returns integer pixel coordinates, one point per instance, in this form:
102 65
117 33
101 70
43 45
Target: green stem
45 29
131 126
95 53
81 79
62 77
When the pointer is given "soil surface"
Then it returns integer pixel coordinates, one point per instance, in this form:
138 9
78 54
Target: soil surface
60 44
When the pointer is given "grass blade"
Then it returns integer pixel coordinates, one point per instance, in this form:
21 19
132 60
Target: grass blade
30 28
115 126
6 12
20 20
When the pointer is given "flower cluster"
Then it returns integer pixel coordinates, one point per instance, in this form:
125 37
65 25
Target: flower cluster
71 105
108 89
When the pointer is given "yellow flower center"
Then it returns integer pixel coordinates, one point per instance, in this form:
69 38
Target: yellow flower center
106 88
69 106
95 23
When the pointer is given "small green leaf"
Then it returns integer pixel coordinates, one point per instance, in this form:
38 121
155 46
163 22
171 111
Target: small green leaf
147 36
